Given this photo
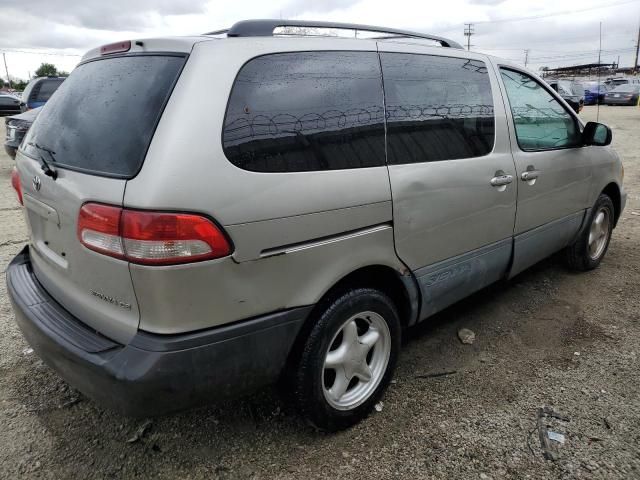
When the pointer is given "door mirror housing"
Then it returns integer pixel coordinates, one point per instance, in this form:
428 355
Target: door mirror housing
596 134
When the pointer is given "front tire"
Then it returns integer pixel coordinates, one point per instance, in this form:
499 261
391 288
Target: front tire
348 359
589 249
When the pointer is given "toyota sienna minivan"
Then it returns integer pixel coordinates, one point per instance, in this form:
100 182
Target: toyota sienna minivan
210 215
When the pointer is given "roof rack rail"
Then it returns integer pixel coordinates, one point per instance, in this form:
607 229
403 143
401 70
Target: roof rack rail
265 28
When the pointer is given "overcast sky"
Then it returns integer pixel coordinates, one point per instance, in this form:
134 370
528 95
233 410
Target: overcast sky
562 32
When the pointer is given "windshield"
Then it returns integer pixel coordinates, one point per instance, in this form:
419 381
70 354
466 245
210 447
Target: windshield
594 87
565 88
103 116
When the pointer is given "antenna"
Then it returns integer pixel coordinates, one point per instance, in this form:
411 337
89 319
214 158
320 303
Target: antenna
599 68
468 31
526 57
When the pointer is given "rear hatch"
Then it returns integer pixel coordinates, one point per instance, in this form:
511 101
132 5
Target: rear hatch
93 133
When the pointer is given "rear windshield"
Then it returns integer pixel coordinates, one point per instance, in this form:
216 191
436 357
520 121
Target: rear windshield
103 116
45 88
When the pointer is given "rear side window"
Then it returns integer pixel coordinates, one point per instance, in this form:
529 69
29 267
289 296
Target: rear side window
45 88
438 108
306 111
103 116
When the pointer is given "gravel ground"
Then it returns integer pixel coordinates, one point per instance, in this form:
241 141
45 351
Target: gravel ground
547 338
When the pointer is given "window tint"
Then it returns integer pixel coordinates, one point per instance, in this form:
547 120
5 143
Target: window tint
541 122
103 116
304 111
438 108
45 88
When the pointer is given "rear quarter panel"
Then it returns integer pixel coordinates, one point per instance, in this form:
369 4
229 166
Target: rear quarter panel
186 170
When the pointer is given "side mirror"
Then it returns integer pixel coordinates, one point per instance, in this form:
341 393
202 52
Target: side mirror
596 134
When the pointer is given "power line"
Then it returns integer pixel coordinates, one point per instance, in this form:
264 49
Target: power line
565 12
36 52
579 55
546 15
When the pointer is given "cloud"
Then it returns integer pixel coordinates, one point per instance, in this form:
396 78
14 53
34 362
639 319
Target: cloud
111 15
486 2
297 7
74 26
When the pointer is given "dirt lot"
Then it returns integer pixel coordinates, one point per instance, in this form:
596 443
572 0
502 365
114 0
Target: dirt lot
547 338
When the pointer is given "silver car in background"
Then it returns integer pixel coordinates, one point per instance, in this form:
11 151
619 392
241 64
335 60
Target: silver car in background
211 214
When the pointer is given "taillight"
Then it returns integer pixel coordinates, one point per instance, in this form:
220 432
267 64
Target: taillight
150 238
15 183
99 229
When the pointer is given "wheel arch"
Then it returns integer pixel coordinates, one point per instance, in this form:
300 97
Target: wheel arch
613 192
402 288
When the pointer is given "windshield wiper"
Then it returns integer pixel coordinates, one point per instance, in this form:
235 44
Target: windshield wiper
48 170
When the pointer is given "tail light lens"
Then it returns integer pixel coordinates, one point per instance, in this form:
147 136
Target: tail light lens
15 183
150 238
99 229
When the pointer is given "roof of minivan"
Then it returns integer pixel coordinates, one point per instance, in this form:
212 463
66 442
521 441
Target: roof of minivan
158 44
185 45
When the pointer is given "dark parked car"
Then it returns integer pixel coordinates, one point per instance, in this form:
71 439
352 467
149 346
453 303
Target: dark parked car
38 91
623 95
17 127
571 92
9 104
594 92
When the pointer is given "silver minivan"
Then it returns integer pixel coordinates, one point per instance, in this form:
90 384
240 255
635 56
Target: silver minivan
210 215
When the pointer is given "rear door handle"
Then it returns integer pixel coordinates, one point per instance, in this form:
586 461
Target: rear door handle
501 180
529 175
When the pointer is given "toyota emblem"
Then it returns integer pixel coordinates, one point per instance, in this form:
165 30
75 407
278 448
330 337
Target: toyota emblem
36 183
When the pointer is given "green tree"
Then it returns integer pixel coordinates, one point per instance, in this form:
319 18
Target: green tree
19 84
47 70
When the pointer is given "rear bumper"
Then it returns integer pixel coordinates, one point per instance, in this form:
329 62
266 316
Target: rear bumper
620 101
154 373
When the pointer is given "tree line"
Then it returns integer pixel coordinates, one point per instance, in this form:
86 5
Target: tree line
44 70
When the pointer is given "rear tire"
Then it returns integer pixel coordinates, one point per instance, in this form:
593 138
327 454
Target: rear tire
589 249
348 359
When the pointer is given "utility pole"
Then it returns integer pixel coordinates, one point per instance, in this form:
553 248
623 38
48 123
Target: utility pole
4 57
468 31
526 57
635 64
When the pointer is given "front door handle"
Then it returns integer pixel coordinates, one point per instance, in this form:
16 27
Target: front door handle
529 175
501 180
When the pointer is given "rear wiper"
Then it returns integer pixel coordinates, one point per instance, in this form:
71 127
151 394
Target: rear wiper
48 170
